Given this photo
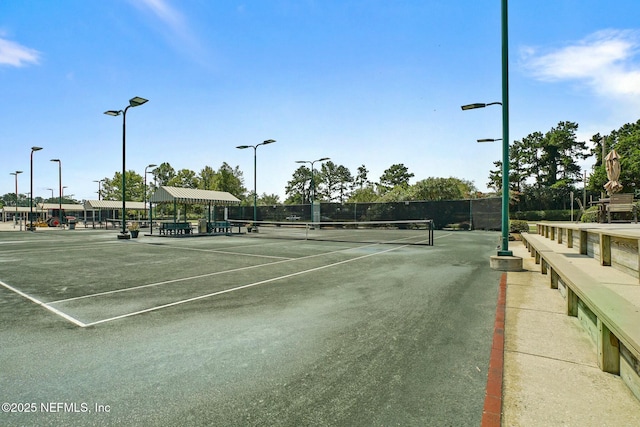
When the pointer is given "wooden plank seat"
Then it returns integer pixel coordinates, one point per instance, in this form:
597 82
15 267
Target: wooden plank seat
614 318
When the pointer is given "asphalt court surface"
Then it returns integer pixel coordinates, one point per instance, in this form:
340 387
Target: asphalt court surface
91 278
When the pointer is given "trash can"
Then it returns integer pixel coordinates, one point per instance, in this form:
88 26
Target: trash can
202 226
72 224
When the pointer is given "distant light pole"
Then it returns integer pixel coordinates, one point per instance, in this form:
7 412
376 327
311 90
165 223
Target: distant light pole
99 181
51 189
255 191
313 184
504 251
133 102
60 186
31 227
16 173
145 187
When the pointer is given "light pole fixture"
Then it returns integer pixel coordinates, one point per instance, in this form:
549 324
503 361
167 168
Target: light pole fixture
133 102
313 184
51 189
31 227
478 105
16 173
60 187
255 191
489 140
145 191
504 247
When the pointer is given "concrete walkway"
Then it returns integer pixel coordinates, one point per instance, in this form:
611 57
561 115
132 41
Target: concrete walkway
551 375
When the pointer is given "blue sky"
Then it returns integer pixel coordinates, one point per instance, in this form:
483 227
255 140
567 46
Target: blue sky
373 82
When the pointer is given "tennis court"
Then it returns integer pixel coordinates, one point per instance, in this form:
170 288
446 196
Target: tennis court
90 278
245 330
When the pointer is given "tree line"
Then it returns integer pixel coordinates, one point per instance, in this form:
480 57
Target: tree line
331 183
544 170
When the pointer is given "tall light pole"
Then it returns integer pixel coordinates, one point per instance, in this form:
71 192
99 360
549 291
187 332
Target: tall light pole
504 248
505 130
255 191
31 227
16 173
313 184
60 186
145 188
133 102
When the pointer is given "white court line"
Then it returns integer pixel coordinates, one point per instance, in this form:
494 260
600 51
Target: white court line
237 288
200 276
444 235
62 248
218 251
45 305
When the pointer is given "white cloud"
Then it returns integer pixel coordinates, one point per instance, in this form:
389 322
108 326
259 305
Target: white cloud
16 55
606 61
177 30
165 13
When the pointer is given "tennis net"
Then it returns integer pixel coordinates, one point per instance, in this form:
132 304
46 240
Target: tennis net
407 232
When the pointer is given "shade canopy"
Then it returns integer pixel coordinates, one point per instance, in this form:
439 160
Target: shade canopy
112 204
64 206
194 196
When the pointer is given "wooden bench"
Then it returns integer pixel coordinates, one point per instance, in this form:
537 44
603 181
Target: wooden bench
621 203
610 319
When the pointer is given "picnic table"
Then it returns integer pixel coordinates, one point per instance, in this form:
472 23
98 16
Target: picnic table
225 227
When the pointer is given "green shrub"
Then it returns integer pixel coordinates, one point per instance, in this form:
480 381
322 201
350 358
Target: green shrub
550 215
590 215
518 226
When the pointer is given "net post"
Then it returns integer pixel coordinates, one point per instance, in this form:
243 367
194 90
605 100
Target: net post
431 233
